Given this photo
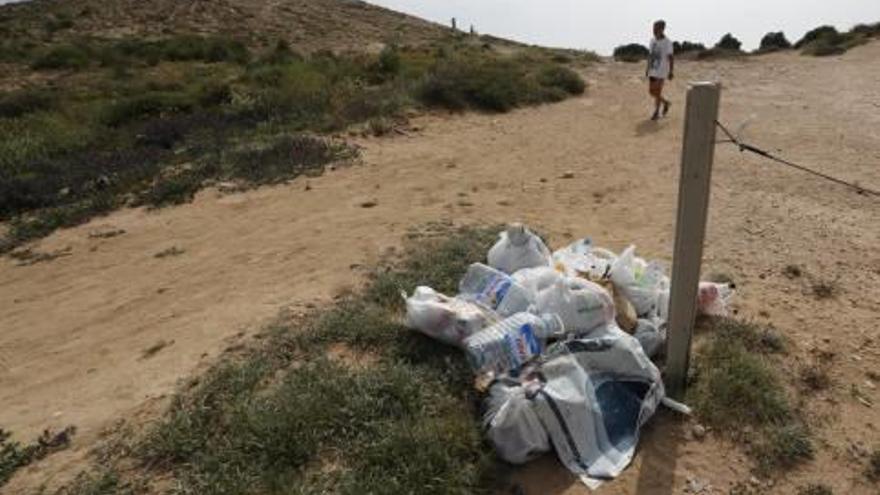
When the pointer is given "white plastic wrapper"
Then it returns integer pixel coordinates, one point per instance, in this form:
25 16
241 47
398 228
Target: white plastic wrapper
518 248
582 259
447 319
580 304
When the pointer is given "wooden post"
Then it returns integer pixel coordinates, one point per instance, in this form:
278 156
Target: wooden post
690 228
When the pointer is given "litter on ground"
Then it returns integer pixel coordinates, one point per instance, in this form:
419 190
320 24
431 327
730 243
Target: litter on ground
562 343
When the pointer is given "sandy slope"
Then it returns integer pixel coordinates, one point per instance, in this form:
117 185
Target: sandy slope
74 330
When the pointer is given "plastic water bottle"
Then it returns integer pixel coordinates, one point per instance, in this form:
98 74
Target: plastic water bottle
494 289
509 344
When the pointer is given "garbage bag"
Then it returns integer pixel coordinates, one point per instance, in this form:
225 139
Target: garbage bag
447 319
518 248
595 397
536 279
512 423
495 290
581 304
640 282
713 299
651 335
582 259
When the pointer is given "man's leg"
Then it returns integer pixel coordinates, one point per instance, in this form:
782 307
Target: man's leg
665 103
655 89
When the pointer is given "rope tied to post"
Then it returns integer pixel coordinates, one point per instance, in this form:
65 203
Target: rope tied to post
770 156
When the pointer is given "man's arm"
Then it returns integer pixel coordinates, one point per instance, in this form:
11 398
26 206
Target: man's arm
671 67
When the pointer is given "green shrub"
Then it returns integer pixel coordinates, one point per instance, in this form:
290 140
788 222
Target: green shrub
207 49
39 135
63 57
774 41
58 23
867 29
681 48
814 34
728 42
389 61
815 489
147 105
285 159
825 46
784 447
24 101
632 52
557 76
493 85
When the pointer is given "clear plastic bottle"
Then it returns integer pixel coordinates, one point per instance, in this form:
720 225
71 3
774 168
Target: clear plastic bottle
494 289
509 344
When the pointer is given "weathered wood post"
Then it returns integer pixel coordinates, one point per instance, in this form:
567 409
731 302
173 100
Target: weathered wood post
693 206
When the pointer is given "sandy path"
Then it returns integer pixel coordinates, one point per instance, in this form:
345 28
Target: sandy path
74 330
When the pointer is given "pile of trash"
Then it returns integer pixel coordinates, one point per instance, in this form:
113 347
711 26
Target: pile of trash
563 343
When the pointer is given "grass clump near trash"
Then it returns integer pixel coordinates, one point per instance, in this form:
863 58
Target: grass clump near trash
737 389
15 456
344 401
150 122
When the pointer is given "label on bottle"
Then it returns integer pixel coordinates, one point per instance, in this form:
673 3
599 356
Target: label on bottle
521 345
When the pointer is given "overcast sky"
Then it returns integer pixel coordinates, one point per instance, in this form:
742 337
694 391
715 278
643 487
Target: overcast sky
600 25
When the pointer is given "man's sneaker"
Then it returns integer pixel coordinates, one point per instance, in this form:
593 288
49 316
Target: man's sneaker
656 116
666 108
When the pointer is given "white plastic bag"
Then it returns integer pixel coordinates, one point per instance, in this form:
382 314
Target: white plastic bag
536 279
651 334
713 299
518 248
447 319
513 425
581 304
640 282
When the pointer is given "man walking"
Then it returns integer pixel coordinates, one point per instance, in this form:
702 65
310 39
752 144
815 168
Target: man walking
660 68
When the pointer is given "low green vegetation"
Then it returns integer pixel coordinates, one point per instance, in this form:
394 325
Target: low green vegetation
633 52
873 470
738 390
816 489
150 122
773 42
826 40
345 401
15 456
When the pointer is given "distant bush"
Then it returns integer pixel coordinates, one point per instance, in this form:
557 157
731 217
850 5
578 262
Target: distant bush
687 47
867 29
632 52
389 60
824 47
63 57
814 34
826 41
728 42
774 41
58 23
24 101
